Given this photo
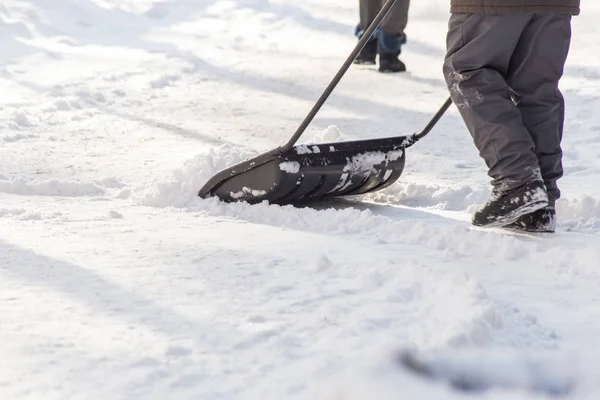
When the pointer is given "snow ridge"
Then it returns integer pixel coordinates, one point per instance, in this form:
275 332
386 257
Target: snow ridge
51 187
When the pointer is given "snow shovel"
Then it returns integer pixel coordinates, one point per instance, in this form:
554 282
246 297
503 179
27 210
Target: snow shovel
310 173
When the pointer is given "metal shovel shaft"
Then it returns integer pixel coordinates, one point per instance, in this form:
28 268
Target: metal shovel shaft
338 76
434 120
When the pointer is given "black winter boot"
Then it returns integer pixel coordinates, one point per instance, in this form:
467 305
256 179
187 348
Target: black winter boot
368 54
542 220
389 62
507 207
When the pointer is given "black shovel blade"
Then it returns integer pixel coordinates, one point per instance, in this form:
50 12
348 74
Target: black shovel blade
312 173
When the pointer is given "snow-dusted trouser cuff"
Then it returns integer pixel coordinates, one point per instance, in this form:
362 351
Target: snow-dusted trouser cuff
390 34
386 43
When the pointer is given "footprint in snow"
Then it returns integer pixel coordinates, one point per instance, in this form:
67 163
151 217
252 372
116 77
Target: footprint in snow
479 371
178 351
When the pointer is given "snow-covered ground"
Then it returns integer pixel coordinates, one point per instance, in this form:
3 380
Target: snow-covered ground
116 282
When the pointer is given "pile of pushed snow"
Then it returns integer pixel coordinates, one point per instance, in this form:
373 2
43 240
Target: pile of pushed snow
52 187
579 214
459 198
181 189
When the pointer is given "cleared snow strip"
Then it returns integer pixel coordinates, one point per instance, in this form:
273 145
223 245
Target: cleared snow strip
52 187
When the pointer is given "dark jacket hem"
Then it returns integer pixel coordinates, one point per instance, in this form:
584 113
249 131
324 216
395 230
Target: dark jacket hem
474 9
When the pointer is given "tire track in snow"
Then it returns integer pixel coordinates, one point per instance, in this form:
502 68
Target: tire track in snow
59 188
23 215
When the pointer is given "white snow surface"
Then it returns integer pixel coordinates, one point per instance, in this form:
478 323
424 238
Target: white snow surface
118 282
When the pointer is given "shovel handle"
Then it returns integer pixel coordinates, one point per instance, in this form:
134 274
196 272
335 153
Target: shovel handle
434 120
338 76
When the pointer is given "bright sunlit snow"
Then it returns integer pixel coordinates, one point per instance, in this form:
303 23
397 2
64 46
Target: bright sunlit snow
118 283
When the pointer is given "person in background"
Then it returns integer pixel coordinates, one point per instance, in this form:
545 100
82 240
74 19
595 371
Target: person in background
503 63
387 39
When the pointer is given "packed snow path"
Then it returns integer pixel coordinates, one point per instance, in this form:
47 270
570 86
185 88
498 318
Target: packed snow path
116 282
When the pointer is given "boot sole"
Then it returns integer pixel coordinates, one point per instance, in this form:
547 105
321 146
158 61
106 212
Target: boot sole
364 62
516 229
515 215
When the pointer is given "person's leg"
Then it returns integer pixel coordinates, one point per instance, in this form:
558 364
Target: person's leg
534 73
479 52
391 37
368 10
397 19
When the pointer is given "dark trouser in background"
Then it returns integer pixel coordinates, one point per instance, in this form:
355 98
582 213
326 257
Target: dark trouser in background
502 71
390 34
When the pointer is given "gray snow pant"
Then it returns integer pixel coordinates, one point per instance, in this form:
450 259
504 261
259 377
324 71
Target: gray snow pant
391 31
502 71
